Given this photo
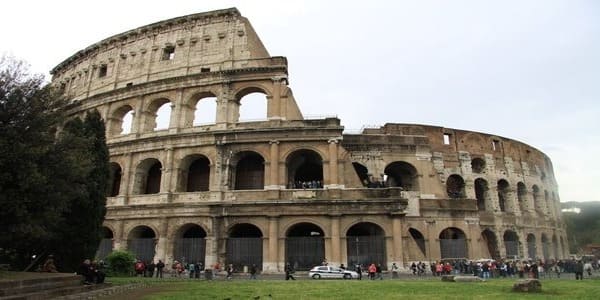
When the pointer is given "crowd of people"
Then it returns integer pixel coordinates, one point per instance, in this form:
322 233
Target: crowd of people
310 184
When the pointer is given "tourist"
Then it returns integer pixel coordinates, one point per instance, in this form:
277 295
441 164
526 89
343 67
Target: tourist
86 270
253 271
288 272
229 271
372 270
159 269
49 265
139 268
579 270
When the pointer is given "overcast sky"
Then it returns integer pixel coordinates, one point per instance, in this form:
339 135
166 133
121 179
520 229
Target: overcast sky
526 70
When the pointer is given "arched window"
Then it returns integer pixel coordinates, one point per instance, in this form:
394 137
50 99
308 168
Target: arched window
249 172
142 243
148 177
402 174
521 196
190 244
511 243
491 243
206 111
120 121
114 184
305 246
198 175
362 172
163 116
305 169
455 187
453 243
419 239
365 244
244 246
252 105
482 194
478 165
503 194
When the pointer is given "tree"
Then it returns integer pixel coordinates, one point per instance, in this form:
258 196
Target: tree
53 173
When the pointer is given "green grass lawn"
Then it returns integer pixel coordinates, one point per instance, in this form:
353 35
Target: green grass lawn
365 289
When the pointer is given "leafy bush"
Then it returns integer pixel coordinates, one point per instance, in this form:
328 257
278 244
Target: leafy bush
120 263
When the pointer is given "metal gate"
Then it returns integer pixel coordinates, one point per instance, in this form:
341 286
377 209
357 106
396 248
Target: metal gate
546 250
190 250
304 252
531 250
142 248
512 248
244 252
365 250
453 248
104 249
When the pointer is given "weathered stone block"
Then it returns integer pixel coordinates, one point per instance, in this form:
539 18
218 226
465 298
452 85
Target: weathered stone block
528 286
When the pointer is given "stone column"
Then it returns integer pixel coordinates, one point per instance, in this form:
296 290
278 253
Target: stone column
274 101
335 258
127 172
120 242
432 241
274 166
163 241
177 117
333 163
167 172
212 247
223 108
398 254
270 264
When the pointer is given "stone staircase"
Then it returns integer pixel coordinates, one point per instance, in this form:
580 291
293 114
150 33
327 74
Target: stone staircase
45 286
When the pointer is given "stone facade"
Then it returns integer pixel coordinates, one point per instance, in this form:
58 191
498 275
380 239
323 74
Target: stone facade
288 189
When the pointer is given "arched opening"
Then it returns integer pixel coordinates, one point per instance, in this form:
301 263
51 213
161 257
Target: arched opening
106 243
453 243
198 175
547 201
455 187
190 244
160 109
250 172
252 105
531 247
545 247
148 177
562 248
491 242
244 246
478 165
555 247
536 198
502 194
114 182
365 244
511 243
482 194
142 242
402 174
304 246
419 240
305 169
521 196
205 112
121 121
362 172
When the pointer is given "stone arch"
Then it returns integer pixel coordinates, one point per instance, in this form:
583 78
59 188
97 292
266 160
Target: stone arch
304 169
120 121
535 191
522 196
190 243
491 243
304 245
248 171
365 244
155 119
244 246
194 173
531 246
419 240
478 165
148 177
503 195
141 241
453 243
482 193
256 112
455 186
201 109
555 247
114 182
545 247
511 244
106 243
402 174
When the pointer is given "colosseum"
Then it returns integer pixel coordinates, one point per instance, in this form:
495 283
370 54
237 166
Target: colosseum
210 187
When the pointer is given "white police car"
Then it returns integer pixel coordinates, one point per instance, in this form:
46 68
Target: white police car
319 272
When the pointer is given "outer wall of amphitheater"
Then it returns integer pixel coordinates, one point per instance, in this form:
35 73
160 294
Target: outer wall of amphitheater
286 189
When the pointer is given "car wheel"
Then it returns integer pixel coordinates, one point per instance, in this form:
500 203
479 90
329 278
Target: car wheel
316 276
347 276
